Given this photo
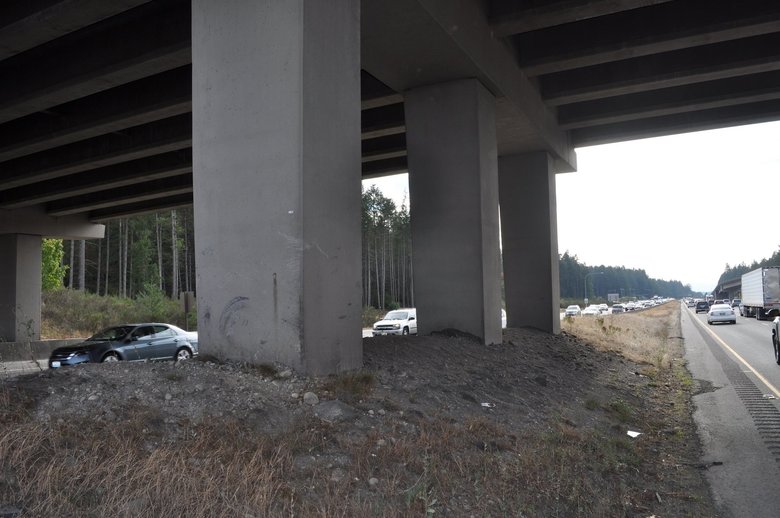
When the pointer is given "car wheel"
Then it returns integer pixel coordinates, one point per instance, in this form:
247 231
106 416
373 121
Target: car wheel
183 354
110 358
405 331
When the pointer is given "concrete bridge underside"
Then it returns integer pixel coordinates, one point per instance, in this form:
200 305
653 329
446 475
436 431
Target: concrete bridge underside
266 114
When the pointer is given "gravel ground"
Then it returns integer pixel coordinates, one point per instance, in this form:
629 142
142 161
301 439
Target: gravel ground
527 385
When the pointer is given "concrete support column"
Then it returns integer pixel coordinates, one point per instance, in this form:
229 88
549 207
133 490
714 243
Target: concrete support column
529 237
20 287
453 184
276 150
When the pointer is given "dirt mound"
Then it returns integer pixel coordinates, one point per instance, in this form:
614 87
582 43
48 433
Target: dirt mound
535 426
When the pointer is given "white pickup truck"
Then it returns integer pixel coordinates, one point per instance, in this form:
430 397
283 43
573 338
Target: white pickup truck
397 322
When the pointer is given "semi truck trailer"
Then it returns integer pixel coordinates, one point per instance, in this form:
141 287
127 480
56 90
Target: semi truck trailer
761 293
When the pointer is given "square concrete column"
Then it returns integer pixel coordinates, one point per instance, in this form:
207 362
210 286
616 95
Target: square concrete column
276 150
453 187
529 238
20 287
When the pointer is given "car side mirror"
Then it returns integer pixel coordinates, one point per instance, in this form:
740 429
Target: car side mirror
411 318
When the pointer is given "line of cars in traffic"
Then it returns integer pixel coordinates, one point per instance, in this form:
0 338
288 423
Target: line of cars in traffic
718 311
723 311
574 310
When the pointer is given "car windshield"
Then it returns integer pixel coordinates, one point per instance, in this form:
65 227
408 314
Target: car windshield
112 333
573 307
397 315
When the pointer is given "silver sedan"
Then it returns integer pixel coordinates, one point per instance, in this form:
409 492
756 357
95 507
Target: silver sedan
721 313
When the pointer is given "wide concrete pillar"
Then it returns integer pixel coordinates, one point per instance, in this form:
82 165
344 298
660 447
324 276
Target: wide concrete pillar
20 287
529 238
276 175
453 188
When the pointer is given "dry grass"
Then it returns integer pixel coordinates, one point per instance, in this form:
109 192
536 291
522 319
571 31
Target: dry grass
647 337
84 469
79 469
351 386
423 465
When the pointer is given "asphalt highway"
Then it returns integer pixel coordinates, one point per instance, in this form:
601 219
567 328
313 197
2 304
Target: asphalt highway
737 411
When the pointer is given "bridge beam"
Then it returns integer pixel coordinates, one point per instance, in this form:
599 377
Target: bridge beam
529 232
35 221
276 170
453 186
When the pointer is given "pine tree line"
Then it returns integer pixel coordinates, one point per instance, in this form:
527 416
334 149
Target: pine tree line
158 250
387 252
148 250
579 281
731 273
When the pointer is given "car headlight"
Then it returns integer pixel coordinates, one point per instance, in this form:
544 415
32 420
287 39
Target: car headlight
396 326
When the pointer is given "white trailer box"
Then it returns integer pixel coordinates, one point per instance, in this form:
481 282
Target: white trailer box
761 292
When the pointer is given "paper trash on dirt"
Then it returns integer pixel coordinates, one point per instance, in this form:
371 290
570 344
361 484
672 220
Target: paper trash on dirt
633 434
489 405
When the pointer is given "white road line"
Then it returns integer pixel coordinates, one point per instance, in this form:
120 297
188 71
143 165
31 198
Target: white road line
723 344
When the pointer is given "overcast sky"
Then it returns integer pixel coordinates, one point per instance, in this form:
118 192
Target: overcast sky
679 207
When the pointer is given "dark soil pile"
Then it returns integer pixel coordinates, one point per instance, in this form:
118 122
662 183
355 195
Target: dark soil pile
536 426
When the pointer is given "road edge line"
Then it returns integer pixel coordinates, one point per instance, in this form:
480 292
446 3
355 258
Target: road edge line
737 356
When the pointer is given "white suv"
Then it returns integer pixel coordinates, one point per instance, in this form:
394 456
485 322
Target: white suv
397 322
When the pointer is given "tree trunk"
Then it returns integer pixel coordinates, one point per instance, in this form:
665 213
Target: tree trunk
384 268
129 266
174 259
108 257
411 280
99 264
124 256
368 272
403 273
119 261
70 270
380 302
82 264
187 283
158 235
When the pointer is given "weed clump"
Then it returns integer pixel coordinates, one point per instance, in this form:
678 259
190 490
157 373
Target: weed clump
351 386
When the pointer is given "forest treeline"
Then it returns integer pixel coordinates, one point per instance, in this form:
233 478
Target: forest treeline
731 273
157 251
579 280
137 253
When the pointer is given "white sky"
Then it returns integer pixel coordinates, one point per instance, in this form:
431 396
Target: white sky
679 207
